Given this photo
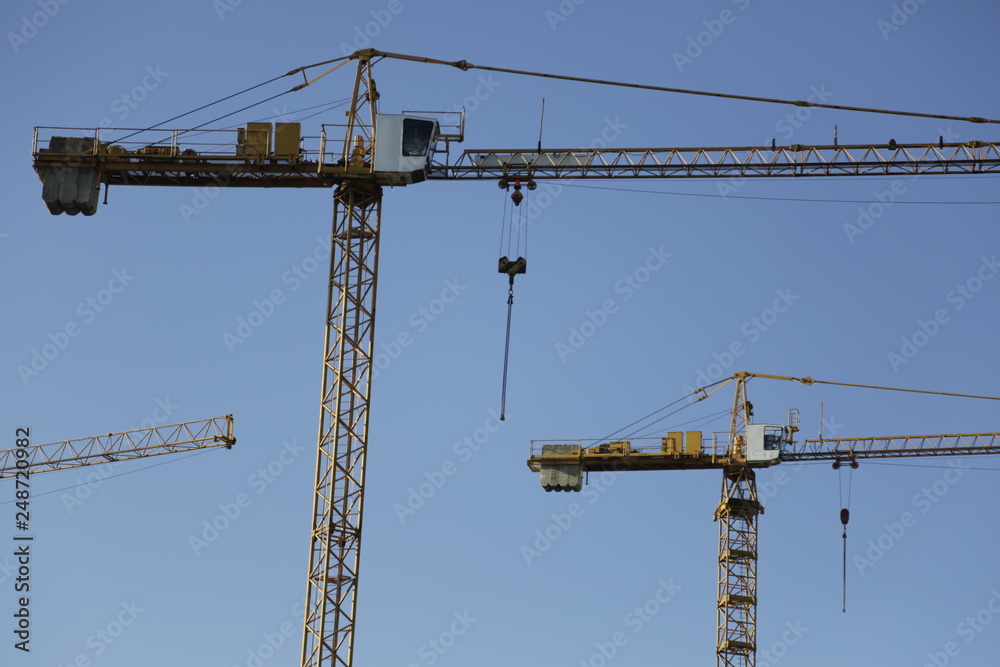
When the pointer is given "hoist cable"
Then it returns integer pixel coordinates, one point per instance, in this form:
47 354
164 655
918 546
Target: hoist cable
519 221
845 515
843 582
525 222
506 349
503 224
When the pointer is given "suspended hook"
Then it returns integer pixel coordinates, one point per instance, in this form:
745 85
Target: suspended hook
845 516
516 196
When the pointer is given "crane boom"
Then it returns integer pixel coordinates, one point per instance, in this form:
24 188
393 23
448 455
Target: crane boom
166 157
123 446
848 449
796 160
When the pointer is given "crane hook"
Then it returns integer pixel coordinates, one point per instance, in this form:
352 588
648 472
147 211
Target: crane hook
516 196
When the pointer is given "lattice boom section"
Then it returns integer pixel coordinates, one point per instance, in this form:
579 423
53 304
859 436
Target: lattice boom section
858 160
124 445
894 447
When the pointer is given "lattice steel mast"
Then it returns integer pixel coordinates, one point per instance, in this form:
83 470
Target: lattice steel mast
338 499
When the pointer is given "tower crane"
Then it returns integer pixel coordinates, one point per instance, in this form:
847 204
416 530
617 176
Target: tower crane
121 446
380 150
738 453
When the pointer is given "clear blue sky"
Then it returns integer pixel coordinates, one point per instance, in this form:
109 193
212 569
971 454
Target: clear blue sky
455 571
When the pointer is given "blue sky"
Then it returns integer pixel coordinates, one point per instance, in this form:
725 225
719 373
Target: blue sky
115 555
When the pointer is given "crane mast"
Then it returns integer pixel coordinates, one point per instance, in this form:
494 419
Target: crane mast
73 168
338 497
736 611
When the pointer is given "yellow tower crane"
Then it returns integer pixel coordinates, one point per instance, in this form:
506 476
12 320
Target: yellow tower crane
376 150
738 452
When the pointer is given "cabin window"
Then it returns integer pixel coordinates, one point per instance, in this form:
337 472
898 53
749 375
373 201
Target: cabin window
417 136
772 437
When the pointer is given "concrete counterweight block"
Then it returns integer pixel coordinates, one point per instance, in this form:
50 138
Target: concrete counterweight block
68 189
561 477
